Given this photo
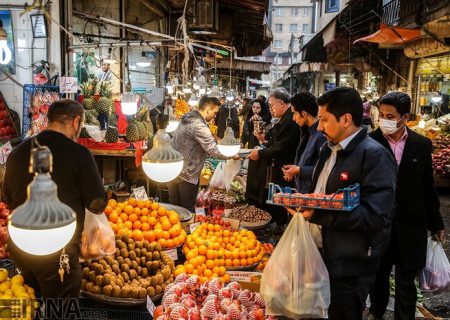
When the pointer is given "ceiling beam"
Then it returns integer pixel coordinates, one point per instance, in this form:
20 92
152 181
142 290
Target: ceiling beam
154 8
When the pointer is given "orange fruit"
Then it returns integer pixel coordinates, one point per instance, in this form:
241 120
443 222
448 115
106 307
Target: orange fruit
152 221
208 273
191 255
128 209
236 262
137 224
124 217
182 238
210 264
113 227
158 233
138 235
145 226
162 211
112 203
191 245
216 270
166 225
132 202
189 268
179 270
147 203
158 226
226 278
137 211
149 236
222 271
162 242
176 241
128 225
244 262
144 211
140 204
169 243
154 214
166 235
202 249
243 254
154 206
143 219
173 218
228 262
108 210
133 217
113 217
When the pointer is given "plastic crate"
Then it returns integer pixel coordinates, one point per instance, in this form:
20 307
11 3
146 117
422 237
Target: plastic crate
343 200
10 266
95 310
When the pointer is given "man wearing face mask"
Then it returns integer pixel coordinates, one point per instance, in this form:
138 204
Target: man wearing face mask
416 211
79 186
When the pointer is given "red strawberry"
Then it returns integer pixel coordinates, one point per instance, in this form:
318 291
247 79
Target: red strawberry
234 313
225 293
210 309
258 299
170 299
178 312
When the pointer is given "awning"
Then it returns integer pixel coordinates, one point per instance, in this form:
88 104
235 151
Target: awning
391 35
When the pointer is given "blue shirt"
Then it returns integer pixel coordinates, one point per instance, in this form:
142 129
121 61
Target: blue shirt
309 158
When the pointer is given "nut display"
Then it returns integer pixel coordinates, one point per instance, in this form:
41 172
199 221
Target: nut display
222 200
249 214
137 269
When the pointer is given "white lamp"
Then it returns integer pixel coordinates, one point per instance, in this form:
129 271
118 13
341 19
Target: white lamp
187 89
173 121
230 96
193 100
128 104
5 51
229 145
436 99
42 225
422 124
202 90
162 163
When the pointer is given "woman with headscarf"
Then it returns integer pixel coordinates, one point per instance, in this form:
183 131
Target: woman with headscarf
258 118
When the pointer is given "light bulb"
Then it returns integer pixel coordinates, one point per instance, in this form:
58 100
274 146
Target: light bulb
5 52
170 89
229 150
42 242
229 145
436 99
187 89
162 172
230 96
196 86
129 104
202 91
422 124
193 100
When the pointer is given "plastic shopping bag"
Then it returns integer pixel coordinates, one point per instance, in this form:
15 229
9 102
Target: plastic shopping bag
295 282
97 239
435 277
217 180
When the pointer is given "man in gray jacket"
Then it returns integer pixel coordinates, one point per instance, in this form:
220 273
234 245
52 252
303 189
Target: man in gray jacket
193 139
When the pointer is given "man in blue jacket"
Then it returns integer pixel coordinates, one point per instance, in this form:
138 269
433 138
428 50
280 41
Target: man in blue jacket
353 242
305 108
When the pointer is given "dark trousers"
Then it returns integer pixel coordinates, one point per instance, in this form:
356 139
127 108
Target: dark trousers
183 194
405 291
41 272
348 297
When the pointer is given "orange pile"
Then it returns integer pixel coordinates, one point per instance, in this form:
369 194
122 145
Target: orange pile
211 249
146 220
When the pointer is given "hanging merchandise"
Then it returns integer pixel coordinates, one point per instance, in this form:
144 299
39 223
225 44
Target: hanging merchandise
295 282
36 101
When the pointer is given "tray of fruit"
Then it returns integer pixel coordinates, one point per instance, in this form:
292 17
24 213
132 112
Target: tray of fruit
250 216
148 220
345 199
138 269
183 213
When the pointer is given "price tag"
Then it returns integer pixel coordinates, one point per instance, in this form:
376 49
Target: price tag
150 306
194 226
68 85
200 211
139 193
5 150
173 254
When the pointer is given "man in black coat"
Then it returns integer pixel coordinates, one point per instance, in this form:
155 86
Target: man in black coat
227 116
280 150
417 208
353 242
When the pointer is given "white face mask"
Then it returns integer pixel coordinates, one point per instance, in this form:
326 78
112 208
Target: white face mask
389 126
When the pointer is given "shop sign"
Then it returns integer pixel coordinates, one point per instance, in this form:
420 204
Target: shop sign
173 254
438 65
5 150
150 306
68 85
245 276
139 194
425 48
200 211
194 226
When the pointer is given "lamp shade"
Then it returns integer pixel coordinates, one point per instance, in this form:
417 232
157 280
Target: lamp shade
229 145
162 163
129 104
43 224
172 125
193 100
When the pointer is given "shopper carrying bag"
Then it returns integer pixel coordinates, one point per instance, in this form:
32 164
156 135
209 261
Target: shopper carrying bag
435 277
295 282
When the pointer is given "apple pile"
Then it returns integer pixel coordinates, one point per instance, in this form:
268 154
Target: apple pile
188 299
7 130
441 158
4 213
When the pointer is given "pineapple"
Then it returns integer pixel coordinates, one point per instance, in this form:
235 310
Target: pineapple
132 132
112 120
88 90
104 103
149 128
112 135
91 118
142 131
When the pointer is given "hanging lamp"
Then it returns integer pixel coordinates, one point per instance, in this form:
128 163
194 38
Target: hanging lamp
162 163
43 224
173 121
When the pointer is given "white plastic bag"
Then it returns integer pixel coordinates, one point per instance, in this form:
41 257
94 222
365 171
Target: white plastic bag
435 277
224 174
295 282
98 239
95 132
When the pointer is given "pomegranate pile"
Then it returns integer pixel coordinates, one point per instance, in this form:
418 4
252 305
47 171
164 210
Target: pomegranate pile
188 299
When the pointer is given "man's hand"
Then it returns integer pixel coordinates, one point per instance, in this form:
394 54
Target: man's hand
290 171
236 157
253 155
308 213
439 236
260 136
